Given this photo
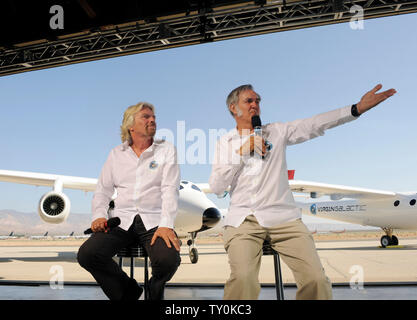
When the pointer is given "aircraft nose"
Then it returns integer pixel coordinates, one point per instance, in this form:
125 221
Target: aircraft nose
210 217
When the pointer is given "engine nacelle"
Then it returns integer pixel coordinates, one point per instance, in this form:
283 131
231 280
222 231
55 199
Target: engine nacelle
54 207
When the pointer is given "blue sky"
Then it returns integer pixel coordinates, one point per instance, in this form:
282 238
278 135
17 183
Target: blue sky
65 120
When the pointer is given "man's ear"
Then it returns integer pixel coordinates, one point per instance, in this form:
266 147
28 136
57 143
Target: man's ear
232 109
235 110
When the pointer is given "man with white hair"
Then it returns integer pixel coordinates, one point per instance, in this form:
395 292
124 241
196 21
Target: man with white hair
262 206
145 174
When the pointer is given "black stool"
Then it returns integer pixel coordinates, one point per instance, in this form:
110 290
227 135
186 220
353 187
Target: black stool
132 252
267 251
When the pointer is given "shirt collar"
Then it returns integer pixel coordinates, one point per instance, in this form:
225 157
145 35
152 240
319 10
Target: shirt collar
156 142
125 145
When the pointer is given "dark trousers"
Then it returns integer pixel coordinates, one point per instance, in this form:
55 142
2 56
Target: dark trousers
96 256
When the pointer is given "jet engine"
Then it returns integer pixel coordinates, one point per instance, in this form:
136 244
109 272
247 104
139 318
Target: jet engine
54 207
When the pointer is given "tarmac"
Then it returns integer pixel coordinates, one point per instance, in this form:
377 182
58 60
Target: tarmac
358 269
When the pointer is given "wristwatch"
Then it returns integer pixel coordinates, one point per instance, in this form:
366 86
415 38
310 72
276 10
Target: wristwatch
354 111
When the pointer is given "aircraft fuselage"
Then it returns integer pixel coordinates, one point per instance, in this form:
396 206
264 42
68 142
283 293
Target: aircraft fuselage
398 213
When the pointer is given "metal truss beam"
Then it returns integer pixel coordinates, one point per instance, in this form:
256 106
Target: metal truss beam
193 28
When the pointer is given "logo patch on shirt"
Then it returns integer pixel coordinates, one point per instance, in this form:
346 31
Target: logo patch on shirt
153 165
268 145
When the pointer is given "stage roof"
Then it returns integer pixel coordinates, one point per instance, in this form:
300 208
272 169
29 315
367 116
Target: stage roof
44 34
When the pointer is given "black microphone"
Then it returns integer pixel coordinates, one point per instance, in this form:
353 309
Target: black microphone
257 128
111 223
257 125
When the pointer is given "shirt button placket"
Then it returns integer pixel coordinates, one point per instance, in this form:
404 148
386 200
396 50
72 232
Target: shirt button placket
254 189
137 182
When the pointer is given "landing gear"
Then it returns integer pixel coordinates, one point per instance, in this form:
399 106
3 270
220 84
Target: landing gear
193 255
389 239
385 241
192 251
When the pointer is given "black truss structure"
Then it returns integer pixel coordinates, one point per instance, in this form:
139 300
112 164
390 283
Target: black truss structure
201 26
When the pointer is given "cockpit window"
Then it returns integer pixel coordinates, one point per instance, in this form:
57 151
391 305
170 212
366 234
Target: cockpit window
195 187
181 187
184 182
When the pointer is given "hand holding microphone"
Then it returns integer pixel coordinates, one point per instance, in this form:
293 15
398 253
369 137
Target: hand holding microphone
255 142
103 225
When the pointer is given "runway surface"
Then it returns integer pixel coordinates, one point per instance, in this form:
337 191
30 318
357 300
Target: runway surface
41 269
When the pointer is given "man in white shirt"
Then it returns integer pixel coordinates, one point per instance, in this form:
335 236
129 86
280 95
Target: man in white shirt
262 206
145 175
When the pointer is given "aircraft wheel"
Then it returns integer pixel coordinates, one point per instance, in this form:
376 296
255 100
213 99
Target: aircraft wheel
385 241
394 241
193 255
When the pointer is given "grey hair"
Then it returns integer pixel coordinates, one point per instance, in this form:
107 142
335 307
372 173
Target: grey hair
129 119
233 96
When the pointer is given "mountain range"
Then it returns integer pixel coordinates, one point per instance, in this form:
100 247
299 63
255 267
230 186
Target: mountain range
29 224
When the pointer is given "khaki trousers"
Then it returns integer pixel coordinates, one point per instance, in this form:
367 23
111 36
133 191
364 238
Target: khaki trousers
296 247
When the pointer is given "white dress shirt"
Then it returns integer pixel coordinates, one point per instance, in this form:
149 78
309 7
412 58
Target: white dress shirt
260 186
147 185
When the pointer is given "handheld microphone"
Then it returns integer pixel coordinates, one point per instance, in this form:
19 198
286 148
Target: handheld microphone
111 223
257 125
257 128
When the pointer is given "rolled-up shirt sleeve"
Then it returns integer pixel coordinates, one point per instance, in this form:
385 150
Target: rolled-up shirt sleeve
170 189
104 190
305 129
226 164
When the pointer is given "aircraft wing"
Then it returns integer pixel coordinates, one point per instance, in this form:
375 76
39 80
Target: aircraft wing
337 192
205 187
48 180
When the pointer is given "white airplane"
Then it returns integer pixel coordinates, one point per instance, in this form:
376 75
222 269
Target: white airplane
40 237
196 213
384 209
10 236
61 237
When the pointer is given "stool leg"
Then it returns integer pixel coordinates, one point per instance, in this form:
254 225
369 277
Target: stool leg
278 278
132 267
145 284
